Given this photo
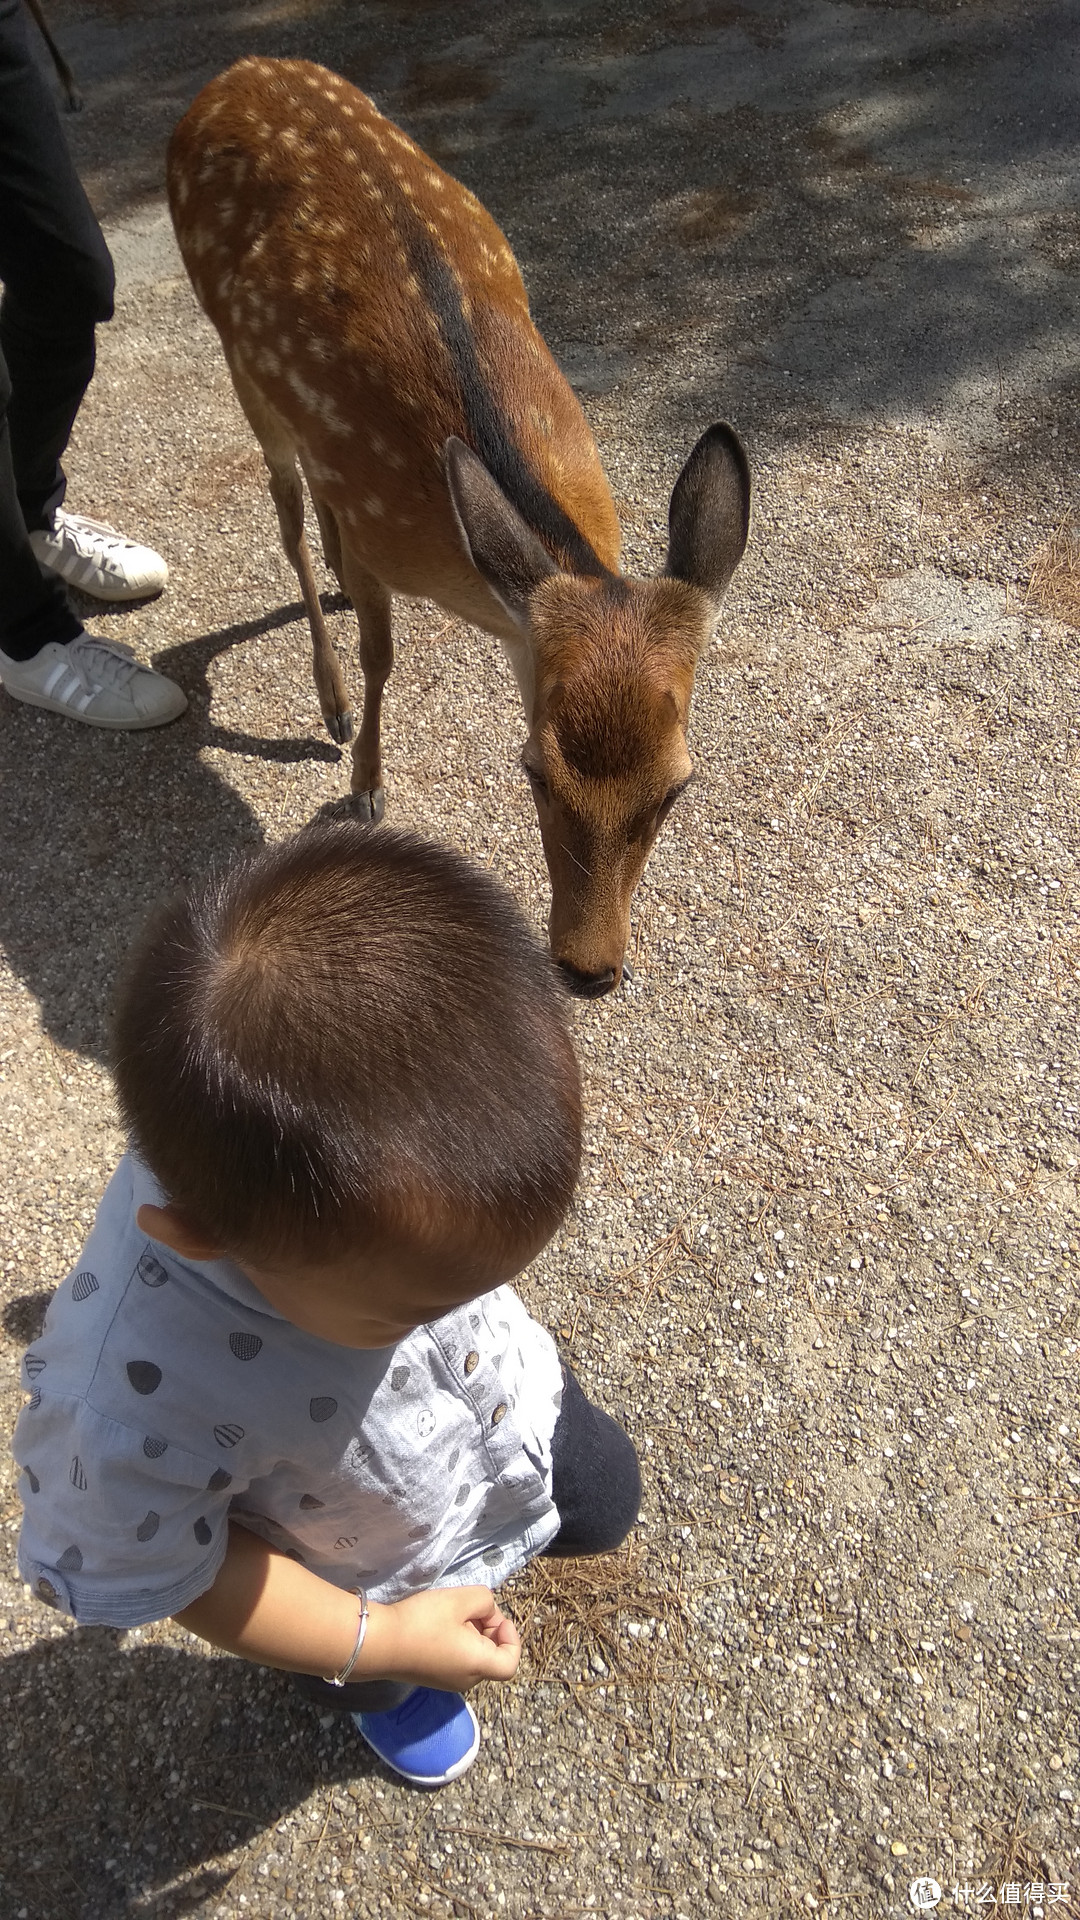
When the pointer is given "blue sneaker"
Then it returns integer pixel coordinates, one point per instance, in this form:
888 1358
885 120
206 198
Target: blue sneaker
429 1739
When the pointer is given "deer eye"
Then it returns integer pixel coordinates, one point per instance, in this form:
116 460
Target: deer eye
535 779
670 798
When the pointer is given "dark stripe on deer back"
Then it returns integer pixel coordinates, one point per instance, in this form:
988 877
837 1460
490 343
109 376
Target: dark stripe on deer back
489 432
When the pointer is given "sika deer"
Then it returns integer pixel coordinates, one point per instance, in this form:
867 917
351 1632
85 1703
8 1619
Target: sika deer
377 330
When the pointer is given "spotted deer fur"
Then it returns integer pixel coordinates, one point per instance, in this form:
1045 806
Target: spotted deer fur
378 334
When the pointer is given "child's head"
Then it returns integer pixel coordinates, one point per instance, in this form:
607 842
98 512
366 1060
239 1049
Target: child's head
346 1061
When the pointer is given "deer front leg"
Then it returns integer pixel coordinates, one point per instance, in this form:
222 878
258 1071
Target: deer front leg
288 498
331 539
372 603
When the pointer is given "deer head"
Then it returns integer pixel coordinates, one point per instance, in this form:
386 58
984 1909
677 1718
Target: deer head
609 680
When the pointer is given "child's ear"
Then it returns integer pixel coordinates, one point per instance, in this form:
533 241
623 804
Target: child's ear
175 1229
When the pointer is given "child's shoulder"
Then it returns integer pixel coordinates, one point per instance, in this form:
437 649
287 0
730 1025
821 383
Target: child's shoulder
84 1304
117 1276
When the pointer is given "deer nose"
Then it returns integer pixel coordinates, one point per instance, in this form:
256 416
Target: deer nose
588 986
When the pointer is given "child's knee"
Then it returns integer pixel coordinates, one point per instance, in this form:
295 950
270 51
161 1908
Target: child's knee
596 1476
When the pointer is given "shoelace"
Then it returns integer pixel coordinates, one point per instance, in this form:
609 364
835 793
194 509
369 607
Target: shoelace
109 662
90 538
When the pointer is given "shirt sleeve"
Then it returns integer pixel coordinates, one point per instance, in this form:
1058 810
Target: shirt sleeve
120 1527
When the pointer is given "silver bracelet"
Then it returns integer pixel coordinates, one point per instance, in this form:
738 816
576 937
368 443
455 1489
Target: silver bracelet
339 1679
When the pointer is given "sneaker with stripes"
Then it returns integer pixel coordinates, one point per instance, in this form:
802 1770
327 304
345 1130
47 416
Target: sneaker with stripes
98 681
95 558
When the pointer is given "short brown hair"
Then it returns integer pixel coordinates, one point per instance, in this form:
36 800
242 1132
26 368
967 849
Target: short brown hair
350 1038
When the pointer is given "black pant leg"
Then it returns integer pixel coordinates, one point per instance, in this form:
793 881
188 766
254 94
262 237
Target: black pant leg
58 283
596 1479
56 269
33 610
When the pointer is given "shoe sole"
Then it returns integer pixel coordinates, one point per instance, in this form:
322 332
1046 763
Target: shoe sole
123 596
112 595
426 1780
42 700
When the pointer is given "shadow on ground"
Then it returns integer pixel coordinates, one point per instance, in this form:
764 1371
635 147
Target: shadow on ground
824 1263
815 214
189 661
79 876
129 818
139 1809
862 209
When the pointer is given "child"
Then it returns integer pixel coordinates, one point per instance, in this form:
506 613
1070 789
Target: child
287 1396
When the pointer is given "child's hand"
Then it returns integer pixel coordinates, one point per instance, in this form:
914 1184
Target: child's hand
270 1609
448 1637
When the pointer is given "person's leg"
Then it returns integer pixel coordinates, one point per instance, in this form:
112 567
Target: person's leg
47 659
56 269
34 610
596 1480
58 284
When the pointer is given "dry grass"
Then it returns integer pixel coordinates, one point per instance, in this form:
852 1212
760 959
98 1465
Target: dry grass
447 83
838 150
710 13
911 186
1059 239
696 16
225 478
1054 587
840 153
714 214
1015 1856
617 1618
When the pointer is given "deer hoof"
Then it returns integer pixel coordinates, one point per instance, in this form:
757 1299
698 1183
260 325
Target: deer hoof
340 727
367 804
368 807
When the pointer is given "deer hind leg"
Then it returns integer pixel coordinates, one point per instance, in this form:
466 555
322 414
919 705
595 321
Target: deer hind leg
372 603
287 493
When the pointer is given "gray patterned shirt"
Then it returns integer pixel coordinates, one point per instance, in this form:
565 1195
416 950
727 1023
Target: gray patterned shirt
167 1396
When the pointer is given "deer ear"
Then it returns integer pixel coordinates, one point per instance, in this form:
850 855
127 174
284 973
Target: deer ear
501 547
709 516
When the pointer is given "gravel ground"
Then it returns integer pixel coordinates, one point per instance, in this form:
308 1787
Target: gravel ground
824 1257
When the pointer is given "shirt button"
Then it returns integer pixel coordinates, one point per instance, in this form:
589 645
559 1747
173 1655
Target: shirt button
498 1414
472 1361
47 1592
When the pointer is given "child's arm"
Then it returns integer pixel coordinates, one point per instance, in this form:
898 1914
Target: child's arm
274 1611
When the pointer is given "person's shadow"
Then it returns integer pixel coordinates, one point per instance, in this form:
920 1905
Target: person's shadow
132 1769
97 826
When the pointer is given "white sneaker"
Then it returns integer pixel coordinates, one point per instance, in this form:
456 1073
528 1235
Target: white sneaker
97 559
98 681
